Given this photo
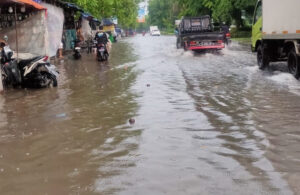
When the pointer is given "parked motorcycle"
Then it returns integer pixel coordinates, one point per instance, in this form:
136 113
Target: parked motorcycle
77 50
36 72
102 53
10 72
77 53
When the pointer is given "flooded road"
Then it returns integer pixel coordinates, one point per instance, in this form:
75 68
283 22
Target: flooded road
204 124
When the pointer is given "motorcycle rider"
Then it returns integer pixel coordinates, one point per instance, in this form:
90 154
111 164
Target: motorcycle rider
102 38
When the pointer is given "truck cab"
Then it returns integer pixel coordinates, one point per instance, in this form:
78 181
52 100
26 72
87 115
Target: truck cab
257 27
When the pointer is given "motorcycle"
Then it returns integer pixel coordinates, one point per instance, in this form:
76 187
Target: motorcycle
102 53
36 72
77 50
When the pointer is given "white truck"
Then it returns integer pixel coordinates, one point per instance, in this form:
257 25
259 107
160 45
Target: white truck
154 31
276 33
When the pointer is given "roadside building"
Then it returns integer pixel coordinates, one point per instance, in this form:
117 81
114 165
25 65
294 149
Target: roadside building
24 22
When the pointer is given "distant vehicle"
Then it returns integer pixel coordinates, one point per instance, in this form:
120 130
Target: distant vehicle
154 31
77 50
196 33
118 31
276 35
130 32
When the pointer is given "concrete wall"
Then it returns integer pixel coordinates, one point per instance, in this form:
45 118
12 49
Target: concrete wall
86 29
32 35
55 25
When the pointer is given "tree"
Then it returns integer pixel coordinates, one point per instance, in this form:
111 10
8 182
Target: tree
162 12
124 10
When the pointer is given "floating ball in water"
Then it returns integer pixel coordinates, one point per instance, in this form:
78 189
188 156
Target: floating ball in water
131 121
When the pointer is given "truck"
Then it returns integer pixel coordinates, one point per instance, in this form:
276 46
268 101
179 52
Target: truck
154 31
276 33
197 34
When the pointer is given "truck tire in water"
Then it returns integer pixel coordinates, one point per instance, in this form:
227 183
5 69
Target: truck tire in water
185 46
294 63
178 43
262 58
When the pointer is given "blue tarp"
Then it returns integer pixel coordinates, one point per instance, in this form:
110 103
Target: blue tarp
86 15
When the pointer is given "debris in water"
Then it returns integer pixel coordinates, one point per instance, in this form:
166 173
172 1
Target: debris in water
1 170
148 85
27 154
18 169
131 121
62 115
77 110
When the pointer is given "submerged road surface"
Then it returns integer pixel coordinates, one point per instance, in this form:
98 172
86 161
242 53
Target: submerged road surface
204 124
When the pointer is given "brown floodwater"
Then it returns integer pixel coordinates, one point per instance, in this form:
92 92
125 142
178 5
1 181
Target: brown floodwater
209 123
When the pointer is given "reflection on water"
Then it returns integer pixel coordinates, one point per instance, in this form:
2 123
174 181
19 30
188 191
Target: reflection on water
54 141
207 123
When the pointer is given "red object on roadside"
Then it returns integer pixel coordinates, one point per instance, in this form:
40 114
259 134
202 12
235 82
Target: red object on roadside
228 35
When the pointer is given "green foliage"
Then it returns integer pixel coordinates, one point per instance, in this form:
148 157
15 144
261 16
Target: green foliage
235 33
164 12
161 13
124 10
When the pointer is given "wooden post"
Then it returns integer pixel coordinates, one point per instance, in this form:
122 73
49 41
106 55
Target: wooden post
17 44
1 84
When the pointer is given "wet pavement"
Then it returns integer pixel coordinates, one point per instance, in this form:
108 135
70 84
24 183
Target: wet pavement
204 124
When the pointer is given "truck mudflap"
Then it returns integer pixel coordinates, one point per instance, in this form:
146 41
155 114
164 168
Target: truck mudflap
194 45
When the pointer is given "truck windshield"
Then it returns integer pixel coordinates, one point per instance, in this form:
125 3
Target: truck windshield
258 12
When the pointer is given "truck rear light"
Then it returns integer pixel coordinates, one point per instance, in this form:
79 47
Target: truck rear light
193 43
220 41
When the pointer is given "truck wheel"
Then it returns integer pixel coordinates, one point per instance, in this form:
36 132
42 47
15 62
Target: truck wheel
185 46
178 44
294 64
262 59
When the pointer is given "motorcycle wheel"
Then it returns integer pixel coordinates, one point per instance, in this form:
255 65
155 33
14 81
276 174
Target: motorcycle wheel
49 79
99 58
105 57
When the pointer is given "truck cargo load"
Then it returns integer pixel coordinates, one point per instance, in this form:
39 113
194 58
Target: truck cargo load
281 19
276 33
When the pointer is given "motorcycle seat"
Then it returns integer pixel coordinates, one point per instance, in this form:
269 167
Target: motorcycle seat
23 63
